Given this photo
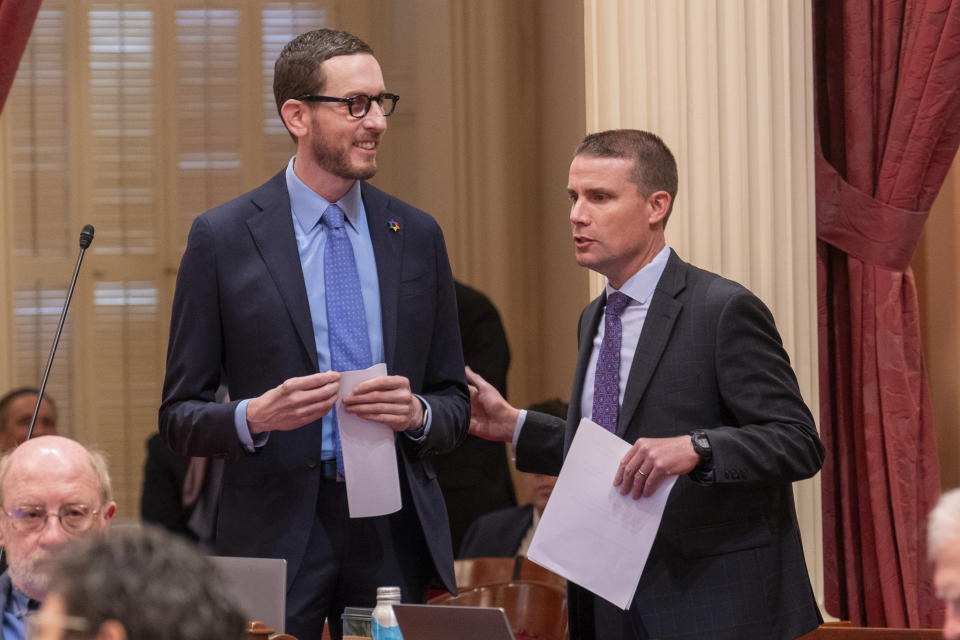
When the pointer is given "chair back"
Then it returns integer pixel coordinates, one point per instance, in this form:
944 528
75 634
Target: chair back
473 572
536 610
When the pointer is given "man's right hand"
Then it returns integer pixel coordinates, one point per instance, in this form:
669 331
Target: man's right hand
296 402
491 417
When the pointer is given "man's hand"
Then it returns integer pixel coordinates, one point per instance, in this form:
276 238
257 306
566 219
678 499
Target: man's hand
387 400
296 402
491 417
650 460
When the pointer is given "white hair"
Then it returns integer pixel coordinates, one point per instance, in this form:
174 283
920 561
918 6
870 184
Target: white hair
944 524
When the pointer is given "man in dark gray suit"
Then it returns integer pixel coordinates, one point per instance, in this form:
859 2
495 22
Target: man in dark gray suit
690 368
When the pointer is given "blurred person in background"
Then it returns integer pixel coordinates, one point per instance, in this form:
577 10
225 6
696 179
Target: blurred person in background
16 410
508 532
136 584
943 548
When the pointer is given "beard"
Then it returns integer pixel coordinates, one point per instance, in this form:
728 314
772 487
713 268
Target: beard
336 161
30 574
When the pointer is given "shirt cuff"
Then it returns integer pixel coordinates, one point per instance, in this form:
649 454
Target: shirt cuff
521 418
249 441
420 433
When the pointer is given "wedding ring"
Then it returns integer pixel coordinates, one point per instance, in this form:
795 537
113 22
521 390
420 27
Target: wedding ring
641 473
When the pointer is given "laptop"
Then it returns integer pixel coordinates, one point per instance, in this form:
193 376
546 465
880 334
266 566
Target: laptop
258 586
443 622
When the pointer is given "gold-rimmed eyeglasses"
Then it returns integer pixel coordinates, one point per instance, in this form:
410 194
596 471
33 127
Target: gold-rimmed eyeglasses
31 518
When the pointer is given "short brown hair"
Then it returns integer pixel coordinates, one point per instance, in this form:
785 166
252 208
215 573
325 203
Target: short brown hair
297 69
654 168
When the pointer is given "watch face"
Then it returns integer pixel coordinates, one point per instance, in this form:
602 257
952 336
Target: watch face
700 443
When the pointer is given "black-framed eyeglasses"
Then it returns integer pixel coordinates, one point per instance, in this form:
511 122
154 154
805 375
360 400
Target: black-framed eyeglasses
74 518
359 104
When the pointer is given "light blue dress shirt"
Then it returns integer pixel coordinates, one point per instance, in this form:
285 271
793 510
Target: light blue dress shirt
307 208
14 627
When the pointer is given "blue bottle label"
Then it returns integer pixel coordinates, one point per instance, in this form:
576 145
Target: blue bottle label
385 633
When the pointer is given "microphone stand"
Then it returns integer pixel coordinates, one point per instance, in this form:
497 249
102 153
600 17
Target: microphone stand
86 237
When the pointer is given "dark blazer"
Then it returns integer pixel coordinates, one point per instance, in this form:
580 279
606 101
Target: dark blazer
241 307
497 534
474 477
727 561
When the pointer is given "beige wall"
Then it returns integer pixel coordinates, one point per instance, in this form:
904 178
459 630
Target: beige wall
936 266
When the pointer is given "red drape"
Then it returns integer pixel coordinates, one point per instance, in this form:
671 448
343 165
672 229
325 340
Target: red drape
16 21
887 78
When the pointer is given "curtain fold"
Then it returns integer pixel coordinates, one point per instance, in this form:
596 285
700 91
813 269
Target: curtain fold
887 79
16 22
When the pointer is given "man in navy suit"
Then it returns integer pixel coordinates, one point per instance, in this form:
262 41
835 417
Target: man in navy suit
252 310
689 367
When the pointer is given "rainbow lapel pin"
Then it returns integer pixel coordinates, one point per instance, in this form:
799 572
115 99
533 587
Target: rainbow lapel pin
394 225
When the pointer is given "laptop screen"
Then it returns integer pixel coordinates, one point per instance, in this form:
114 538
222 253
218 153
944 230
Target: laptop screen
442 622
258 586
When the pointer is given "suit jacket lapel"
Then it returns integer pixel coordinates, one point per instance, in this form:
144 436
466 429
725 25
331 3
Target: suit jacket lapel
272 230
663 312
387 249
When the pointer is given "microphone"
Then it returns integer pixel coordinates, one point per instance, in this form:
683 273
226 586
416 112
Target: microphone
86 238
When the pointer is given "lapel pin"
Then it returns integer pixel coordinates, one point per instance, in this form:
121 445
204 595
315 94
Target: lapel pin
394 225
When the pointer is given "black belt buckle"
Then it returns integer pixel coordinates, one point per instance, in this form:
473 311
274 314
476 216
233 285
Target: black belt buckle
328 471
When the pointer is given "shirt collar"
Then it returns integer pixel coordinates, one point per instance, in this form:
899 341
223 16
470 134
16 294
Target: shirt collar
641 285
308 205
19 602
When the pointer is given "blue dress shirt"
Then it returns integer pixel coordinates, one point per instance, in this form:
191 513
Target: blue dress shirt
307 208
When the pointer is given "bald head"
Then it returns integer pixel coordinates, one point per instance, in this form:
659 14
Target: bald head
42 479
50 455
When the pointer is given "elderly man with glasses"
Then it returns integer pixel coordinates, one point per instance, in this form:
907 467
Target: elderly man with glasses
52 490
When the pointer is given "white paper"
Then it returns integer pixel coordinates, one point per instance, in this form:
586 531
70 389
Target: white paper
369 455
589 533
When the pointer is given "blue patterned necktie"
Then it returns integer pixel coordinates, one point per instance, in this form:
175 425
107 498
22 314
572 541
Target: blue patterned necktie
346 320
606 383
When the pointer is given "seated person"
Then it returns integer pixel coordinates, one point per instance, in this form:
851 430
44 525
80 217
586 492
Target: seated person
142 584
52 490
508 532
16 411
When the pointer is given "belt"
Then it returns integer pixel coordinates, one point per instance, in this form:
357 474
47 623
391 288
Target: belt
328 471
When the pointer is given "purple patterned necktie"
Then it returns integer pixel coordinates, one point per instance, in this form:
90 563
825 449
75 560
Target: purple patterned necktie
346 320
606 383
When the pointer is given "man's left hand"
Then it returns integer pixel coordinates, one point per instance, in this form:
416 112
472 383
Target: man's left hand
387 400
650 461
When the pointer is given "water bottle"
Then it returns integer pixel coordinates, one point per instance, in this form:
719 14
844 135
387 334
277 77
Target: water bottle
384 624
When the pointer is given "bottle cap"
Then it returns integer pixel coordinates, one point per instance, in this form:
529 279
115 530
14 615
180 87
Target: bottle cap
388 593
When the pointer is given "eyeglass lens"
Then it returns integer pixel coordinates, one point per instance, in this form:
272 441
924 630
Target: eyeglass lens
73 517
360 105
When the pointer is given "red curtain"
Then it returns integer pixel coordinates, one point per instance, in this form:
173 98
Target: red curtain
887 87
16 21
